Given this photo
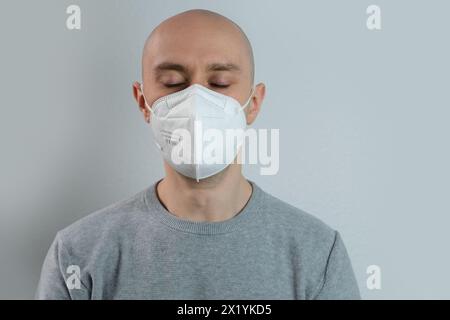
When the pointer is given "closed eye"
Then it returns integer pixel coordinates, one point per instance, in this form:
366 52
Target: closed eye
217 85
173 85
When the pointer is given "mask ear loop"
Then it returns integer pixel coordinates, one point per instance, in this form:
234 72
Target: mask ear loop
249 99
151 110
146 104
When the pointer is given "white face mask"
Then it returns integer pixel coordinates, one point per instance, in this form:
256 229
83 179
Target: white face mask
198 111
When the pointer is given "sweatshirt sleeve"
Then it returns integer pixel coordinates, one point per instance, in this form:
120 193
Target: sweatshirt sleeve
60 280
339 282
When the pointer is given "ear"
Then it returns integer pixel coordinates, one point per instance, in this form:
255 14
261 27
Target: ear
255 103
138 96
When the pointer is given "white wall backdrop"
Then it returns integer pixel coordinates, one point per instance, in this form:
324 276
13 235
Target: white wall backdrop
363 118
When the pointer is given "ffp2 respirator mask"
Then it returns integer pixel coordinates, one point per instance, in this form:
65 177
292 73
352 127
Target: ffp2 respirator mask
192 128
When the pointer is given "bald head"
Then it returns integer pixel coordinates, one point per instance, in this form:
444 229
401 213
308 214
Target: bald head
198 36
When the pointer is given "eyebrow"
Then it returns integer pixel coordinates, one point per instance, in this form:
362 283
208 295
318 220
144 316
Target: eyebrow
164 66
223 67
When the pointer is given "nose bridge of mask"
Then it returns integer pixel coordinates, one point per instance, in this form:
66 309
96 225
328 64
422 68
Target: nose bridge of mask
206 93
194 93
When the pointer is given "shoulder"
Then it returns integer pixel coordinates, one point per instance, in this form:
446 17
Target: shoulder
306 237
297 223
315 248
103 226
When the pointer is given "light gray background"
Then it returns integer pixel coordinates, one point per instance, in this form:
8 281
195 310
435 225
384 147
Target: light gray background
363 118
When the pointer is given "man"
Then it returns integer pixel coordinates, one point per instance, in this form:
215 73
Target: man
199 233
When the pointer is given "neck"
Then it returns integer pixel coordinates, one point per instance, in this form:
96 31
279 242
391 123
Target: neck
213 199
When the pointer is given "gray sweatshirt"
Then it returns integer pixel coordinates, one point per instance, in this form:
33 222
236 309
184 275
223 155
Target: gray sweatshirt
136 249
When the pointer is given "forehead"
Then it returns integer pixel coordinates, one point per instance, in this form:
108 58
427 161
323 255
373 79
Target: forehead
196 47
